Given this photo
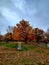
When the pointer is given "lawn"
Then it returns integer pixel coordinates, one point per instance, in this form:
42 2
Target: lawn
29 55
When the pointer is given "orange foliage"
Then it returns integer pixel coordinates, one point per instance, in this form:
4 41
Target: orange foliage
23 31
8 36
2 38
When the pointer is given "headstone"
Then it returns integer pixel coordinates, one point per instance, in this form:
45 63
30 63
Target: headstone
19 46
47 45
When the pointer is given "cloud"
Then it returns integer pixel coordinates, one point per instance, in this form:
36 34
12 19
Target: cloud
9 15
20 4
35 11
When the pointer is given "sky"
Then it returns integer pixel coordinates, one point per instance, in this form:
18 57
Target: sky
34 11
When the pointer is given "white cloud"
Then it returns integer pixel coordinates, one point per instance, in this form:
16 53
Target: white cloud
35 11
19 4
9 15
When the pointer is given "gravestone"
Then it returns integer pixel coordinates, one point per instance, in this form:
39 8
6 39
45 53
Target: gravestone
47 45
19 46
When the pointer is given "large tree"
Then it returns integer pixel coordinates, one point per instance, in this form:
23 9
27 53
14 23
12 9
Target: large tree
22 30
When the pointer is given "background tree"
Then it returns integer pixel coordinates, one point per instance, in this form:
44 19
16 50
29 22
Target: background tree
38 34
2 38
8 35
47 35
9 29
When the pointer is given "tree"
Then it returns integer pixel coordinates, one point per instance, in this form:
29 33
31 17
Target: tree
47 35
2 38
21 31
15 34
9 29
38 34
8 35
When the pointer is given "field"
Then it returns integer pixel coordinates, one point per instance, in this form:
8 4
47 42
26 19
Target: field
29 55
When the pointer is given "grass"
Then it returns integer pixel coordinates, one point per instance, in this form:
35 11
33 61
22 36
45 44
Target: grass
24 47
27 47
8 45
39 51
29 55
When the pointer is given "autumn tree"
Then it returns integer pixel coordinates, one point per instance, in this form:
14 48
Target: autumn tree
2 38
15 34
38 34
47 35
8 35
22 30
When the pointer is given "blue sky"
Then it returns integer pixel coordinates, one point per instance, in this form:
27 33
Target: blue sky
34 11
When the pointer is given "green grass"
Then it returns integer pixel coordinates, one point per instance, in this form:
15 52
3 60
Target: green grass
8 45
28 47
24 47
